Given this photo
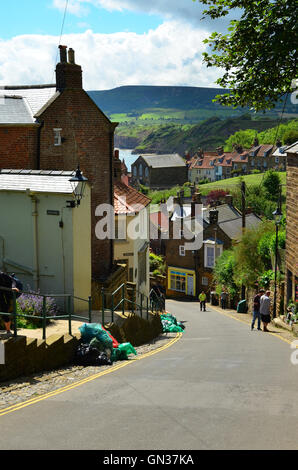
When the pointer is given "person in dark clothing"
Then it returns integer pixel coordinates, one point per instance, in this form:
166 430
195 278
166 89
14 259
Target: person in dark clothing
256 309
6 298
223 299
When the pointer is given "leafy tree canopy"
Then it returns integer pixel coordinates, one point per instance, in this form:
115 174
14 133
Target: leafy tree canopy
258 55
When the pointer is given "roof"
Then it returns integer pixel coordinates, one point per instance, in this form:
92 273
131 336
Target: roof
163 161
233 228
260 150
41 181
226 212
15 110
36 95
128 200
293 148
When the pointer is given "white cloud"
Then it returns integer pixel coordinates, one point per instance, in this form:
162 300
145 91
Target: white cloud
181 10
168 55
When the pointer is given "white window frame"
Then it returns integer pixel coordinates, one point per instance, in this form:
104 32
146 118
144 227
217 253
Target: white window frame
57 136
219 252
181 250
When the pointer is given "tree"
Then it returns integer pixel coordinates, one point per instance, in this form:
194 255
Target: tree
258 54
271 183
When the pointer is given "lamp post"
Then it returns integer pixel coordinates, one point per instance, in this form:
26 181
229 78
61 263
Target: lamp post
78 183
277 214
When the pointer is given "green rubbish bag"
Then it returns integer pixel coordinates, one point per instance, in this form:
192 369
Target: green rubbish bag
121 353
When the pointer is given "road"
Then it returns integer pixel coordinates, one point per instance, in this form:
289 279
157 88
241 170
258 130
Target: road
221 386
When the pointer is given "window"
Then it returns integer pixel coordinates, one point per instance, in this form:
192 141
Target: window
276 160
204 281
146 172
134 171
181 250
209 260
178 282
57 136
141 170
252 162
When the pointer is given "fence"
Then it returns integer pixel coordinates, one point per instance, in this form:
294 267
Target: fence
12 302
153 303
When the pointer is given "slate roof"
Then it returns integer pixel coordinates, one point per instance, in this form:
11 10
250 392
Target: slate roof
233 228
41 181
36 95
226 212
163 161
15 110
128 200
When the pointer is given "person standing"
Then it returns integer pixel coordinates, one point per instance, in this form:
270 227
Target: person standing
202 299
6 297
223 299
265 309
256 309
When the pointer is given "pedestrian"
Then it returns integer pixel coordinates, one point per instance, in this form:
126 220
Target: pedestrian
6 298
223 299
256 309
202 299
265 309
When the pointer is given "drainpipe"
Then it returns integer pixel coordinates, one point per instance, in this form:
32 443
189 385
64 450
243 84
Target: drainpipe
34 201
38 145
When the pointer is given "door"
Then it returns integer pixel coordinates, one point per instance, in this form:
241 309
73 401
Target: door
190 285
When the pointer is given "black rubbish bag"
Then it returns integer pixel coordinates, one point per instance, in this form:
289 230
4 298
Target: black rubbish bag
87 355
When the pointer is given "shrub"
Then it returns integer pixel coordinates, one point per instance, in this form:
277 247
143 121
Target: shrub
32 304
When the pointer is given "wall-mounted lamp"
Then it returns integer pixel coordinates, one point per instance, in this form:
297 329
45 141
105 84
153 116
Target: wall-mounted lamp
78 183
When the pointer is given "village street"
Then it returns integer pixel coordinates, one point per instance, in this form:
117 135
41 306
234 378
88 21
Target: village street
220 386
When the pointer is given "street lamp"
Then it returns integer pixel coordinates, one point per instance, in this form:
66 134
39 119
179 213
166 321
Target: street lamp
78 183
277 214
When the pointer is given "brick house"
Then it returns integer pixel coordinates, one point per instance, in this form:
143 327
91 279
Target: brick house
62 127
190 271
291 288
260 156
159 171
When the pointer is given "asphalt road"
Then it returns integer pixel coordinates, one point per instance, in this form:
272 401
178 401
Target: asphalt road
220 386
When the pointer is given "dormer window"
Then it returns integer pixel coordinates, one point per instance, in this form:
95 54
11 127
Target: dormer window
57 137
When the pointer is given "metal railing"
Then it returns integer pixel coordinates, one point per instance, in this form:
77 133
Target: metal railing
152 303
146 303
44 317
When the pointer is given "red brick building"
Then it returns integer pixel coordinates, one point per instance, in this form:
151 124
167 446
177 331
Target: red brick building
292 226
60 127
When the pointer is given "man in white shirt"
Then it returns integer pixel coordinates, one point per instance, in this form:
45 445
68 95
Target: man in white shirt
265 309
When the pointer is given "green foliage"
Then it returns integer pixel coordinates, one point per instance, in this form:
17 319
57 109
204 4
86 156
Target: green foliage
157 264
265 278
144 189
224 272
290 136
258 54
242 137
271 184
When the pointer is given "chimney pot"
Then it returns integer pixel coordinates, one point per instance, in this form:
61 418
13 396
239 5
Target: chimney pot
63 57
71 56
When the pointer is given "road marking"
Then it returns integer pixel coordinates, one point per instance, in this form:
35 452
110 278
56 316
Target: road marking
242 321
32 401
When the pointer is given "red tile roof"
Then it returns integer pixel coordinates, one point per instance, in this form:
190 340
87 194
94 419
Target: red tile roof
128 200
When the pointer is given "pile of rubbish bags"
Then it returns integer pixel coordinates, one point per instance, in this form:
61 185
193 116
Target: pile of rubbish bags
99 347
170 324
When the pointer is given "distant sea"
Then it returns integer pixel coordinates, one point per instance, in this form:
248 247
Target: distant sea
129 158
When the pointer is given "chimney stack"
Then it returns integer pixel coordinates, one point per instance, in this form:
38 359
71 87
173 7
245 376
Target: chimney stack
68 74
213 216
117 166
229 199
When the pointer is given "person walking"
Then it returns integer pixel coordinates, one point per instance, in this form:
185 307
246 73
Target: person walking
256 309
202 299
265 302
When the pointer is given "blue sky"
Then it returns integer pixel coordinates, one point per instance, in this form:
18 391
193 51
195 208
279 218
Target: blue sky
42 17
117 42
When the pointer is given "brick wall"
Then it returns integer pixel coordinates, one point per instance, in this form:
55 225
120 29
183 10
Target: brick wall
87 139
18 146
291 228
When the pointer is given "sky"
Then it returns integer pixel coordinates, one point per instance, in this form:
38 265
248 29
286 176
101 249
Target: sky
117 42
